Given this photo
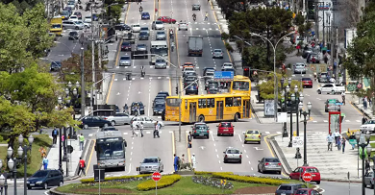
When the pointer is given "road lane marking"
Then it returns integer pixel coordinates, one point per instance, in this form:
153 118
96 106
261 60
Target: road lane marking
325 121
217 155
247 156
132 147
249 163
239 137
219 161
347 120
221 168
278 132
90 134
130 168
271 151
149 99
173 145
131 153
267 132
252 168
243 145
215 150
92 151
212 136
358 121
244 151
125 133
214 144
148 132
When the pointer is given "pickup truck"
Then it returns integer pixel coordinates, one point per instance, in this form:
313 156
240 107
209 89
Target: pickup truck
331 88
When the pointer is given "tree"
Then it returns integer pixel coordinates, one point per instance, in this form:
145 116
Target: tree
256 56
266 88
271 23
303 26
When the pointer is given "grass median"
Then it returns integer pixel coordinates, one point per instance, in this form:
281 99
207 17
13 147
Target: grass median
34 158
184 186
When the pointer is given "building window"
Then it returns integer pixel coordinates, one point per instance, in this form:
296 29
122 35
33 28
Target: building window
237 101
228 102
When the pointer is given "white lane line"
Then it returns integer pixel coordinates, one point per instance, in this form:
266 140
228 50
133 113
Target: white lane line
244 151
132 142
239 137
130 159
221 168
219 161
214 144
148 132
278 132
131 153
358 121
252 168
149 99
132 147
243 145
130 168
315 121
267 132
215 150
247 156
46 192
249 163
212 136
347 121
90 134
217 155
125 133
325 121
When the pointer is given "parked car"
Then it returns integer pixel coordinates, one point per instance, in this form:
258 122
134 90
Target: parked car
269 164
369 125
307 82
148 122
299 68
55 66
217 53
232 154
183 26
160 63
126 46
167 19
160 35
288 189
196 7
93 121
151 165
119 119
299 171
135 106
200 129
145 16
331 88
45 179
252 136
157 25
225 128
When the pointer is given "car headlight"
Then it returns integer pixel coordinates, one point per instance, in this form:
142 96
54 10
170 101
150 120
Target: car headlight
28 182
39 182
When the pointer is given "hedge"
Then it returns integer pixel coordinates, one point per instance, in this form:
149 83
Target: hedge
91 180
209 173
165 181
249 179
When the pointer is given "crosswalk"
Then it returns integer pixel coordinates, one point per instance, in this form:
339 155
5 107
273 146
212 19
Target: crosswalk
142 78
138 132
345 121
174 25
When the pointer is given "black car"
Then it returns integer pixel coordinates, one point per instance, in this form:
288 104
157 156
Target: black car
109 129
55 66
126 46
135 106
73 35
143 36
158 108
186 74
93 121
45 178
158 99
192 89
163 93
122 27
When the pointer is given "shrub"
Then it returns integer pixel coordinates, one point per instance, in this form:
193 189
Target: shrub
224 36
209 173
249 179
165 181
229 47
91 180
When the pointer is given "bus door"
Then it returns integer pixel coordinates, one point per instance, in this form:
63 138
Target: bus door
246 108
193 111
219 110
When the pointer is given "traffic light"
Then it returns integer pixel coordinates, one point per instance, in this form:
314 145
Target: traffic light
176 90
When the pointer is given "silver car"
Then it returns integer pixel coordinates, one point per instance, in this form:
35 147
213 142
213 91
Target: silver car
141 47
183 26
232 154
145 29
160 63
125 61
217 53
157 25
119 119
299 68
196 7
160 35
150 165
269 164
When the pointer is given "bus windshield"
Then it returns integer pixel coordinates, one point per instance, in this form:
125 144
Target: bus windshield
173 102
110 150
241 85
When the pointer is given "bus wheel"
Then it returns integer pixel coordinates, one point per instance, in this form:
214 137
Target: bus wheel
201 118
236 116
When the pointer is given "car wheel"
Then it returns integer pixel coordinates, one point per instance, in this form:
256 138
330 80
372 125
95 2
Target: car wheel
259 142
105 125
45 186
29 188
225 161
319 92
85 126
318 182
61 183
240 161
77 28
244 142
179 29
236 117
174 22
258 170
113 123
194 136
208 136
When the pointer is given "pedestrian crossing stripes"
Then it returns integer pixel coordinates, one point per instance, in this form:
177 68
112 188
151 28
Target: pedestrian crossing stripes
191 23
142 78
346 121
146 132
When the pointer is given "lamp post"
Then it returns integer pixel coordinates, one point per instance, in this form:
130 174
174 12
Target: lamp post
72 95
363 142
304 139
295 98
283 106
3 181
22 151
12 164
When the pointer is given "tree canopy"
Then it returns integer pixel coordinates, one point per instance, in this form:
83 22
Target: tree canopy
266 88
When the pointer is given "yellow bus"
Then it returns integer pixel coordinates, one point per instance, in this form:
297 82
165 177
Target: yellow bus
212 107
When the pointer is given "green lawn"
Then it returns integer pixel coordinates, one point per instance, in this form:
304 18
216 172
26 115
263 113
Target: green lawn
372 138
184 186
35 158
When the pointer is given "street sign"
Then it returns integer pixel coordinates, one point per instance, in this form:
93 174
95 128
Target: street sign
69 149
156 176
307 177
223 75
297 142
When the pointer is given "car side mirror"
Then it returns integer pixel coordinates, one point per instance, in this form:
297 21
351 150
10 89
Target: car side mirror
233 126
258 160
224 152
217 125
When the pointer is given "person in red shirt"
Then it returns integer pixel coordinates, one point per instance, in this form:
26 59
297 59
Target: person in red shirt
82 166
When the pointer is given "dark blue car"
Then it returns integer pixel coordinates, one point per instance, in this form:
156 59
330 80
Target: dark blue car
145 16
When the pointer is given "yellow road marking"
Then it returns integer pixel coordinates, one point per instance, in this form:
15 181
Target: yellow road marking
356 108
117 58
221 31
92 151
273 155
170 86
173 145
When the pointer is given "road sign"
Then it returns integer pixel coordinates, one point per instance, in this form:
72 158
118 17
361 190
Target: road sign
297 142
223 75
307 177
223 182
69 149
156 176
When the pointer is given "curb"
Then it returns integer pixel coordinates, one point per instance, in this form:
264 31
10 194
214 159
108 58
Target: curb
87 147
360 109
287 168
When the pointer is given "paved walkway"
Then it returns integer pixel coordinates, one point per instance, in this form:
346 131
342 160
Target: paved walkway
357 102
333 165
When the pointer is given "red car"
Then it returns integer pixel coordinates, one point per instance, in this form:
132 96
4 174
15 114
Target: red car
307 82
299 171
306 191
225 128
167 19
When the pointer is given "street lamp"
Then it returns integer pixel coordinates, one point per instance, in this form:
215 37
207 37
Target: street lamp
3 181
309 107
283 105
305 135
363 141
22 151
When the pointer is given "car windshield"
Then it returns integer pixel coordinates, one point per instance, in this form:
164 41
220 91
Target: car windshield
136 25
40 174
302 192
158 22
73 33
142 45
65 13
272 160
241 85
306 79
159 105
312 170
217 50
71 3
126 43
125 58
160 33
252 132
144 28
110 150
200 127
233 152
210 74
226 124
160 60
288 188
370 122
150 160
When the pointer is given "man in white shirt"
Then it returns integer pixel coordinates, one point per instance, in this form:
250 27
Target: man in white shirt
330 138
193 162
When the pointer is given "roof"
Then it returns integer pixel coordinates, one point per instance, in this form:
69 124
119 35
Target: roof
208 96
200 123
151 157
108 134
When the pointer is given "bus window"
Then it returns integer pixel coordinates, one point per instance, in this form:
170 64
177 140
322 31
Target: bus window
204 103
228 102
186 104
241 85
237 101
200 103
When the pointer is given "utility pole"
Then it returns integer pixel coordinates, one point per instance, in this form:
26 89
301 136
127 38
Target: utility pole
92 58
99 57
83 95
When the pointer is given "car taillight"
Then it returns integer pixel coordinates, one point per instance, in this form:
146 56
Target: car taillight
195 131
245 135
105 118
267 164
259 136
279 164
225 156
240 156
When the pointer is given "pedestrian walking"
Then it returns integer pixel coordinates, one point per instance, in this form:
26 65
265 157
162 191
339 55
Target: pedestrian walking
179 163
133 130
175 163
172 46
183 158
193 162
206 17
141 128
55 133
365 103
81 141
330 138
45 163
339 144
157 128
343 143
189 140
352 137
82 166
337 137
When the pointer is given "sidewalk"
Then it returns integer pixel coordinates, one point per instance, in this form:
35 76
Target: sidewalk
333 165
357 102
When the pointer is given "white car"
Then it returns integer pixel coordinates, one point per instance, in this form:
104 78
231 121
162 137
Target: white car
148 122
67 24
136 28
183 26
157 25
71 4
217 53
227 65
87 19
73 18
119 119
368 126
80 22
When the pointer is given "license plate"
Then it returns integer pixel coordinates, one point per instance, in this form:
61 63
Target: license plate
283 194
225 129
32 184
253 137
201 134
